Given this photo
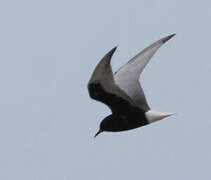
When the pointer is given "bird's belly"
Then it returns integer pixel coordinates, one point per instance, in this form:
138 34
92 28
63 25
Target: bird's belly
124 124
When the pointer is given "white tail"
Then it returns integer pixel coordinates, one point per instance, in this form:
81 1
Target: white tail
153 116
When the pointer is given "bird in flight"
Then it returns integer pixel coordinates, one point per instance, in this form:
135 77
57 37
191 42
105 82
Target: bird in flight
122 92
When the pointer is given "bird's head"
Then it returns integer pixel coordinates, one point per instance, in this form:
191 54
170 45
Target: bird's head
106 124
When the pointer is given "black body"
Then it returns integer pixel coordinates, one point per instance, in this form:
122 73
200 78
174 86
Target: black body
124 115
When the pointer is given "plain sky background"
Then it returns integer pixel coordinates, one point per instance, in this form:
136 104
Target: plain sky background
48 50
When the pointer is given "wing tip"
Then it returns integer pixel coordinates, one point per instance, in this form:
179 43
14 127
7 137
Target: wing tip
113 50
110 53
168 38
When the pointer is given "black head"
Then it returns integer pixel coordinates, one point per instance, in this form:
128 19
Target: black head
106 124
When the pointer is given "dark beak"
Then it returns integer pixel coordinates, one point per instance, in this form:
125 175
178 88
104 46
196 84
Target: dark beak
98 133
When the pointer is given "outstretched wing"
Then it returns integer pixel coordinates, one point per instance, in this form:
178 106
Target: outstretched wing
102 88
127 77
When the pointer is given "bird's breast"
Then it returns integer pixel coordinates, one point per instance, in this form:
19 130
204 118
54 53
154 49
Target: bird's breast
124 122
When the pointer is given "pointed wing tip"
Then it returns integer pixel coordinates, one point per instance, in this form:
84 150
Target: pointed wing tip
113 50
168 38
110 53
103 67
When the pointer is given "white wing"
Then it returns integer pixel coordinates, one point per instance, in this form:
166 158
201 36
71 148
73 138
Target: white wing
127 77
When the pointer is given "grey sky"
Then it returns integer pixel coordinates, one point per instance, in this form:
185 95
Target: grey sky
47 121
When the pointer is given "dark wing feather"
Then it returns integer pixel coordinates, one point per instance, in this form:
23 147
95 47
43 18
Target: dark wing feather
102 88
